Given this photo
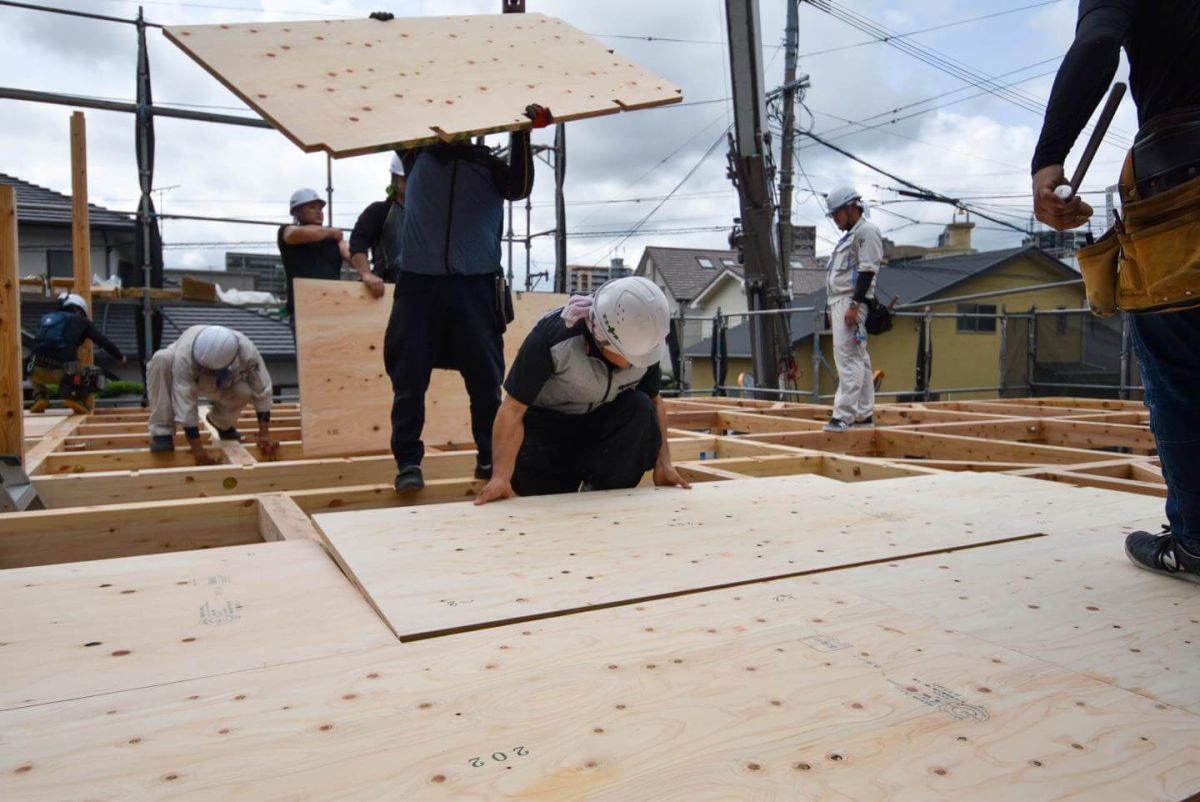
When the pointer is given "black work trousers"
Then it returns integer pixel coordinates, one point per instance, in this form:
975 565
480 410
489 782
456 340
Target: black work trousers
445 322
609 448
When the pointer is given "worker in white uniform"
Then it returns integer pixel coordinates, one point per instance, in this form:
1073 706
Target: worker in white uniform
850 284
225 367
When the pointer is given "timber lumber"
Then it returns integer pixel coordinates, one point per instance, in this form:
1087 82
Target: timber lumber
59 434
12 417
777 691
280 518
1072 599
448 567
446 77
348 397
1106 482
111 625
81 235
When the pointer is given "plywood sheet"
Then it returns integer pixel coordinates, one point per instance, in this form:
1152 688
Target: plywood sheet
444 567
1074 600
778 691
359 86
81 629
346 391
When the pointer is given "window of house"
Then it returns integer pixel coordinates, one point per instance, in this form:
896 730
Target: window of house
729 262
976 325
59 264
706 263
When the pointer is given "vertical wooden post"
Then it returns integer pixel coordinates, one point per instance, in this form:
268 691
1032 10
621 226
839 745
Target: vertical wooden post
12 423
81 234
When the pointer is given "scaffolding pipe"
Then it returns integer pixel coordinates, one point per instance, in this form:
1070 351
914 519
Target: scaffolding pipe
82 102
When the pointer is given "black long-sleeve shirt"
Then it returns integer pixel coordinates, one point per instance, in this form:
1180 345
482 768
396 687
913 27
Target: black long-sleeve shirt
1162 41
369 227
78 329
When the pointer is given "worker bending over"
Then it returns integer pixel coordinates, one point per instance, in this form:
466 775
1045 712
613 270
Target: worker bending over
55 357
220 364
450 308
583 405
308 247
378 231
848 288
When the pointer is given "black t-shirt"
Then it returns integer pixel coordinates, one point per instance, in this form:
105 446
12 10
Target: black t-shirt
1161 39
321 259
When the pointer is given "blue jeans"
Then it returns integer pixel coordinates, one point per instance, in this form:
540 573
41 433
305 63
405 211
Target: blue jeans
1168 352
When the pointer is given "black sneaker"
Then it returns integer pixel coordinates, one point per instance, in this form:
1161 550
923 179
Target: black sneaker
1162 555
409 478
225 434
866 423
162 443
483 471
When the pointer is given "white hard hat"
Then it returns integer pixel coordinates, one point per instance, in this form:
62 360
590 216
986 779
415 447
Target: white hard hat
215 348
632 314
397 164
841 196
302 196
71 299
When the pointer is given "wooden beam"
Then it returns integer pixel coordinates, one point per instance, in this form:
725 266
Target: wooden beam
1085 434
81 233
280 518
379 496
1105 482
12 414
910 443
755 422
50 442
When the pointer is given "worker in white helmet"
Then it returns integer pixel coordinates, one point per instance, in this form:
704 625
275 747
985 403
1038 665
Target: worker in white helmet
55 358
378 231
220 364
310 249
850 286
583 408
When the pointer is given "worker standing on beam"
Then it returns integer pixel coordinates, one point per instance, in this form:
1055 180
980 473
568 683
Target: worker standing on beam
1150 261
309 248
220 364
378 230
583 408
451 304
850 285
55 357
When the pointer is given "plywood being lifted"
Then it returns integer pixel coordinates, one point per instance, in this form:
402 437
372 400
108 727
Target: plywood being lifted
359 86
88 628
778 691
445 567
346 391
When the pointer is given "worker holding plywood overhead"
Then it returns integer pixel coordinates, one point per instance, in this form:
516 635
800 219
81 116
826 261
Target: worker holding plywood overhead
451 304
583 406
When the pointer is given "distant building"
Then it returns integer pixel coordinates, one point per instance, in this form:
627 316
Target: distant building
582 279
804 241
266 268
1059 244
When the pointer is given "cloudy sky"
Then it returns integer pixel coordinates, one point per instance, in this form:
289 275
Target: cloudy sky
919 122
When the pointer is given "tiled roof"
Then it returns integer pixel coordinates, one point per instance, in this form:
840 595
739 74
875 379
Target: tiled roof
40 206
687 278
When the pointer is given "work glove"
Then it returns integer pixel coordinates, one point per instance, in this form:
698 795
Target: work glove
539 115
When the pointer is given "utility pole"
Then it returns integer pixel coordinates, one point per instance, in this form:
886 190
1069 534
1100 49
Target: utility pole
791 85
560 209
770 342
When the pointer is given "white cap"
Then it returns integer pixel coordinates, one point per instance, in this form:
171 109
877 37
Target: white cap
841 196
633 315
215 348
397 164
302 196
71 299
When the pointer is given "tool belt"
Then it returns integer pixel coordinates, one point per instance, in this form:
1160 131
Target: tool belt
1149 260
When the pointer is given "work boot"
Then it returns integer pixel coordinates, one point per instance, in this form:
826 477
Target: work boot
77 407
225 434
41 405
1162 554
866 423
483 470
409 478
837 425
162 443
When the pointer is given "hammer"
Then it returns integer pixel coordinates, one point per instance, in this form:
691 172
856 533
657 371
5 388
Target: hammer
1065 191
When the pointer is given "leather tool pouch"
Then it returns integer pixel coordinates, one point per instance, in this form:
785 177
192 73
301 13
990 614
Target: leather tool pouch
505 312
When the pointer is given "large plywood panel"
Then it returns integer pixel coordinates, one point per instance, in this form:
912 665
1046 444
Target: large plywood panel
346 391
778 691
445 567
412 81
80 629
1073 600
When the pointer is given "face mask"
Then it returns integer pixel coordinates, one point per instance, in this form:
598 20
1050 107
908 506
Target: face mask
224 378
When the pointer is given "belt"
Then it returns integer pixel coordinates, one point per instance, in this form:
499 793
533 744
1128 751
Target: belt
1166 152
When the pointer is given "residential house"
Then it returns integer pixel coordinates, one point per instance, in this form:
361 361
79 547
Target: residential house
966 350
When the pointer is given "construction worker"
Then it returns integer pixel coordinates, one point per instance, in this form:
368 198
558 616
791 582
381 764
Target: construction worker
850 285
220 364
55 358
583 406
378 230
310 249
450 306
1160 39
